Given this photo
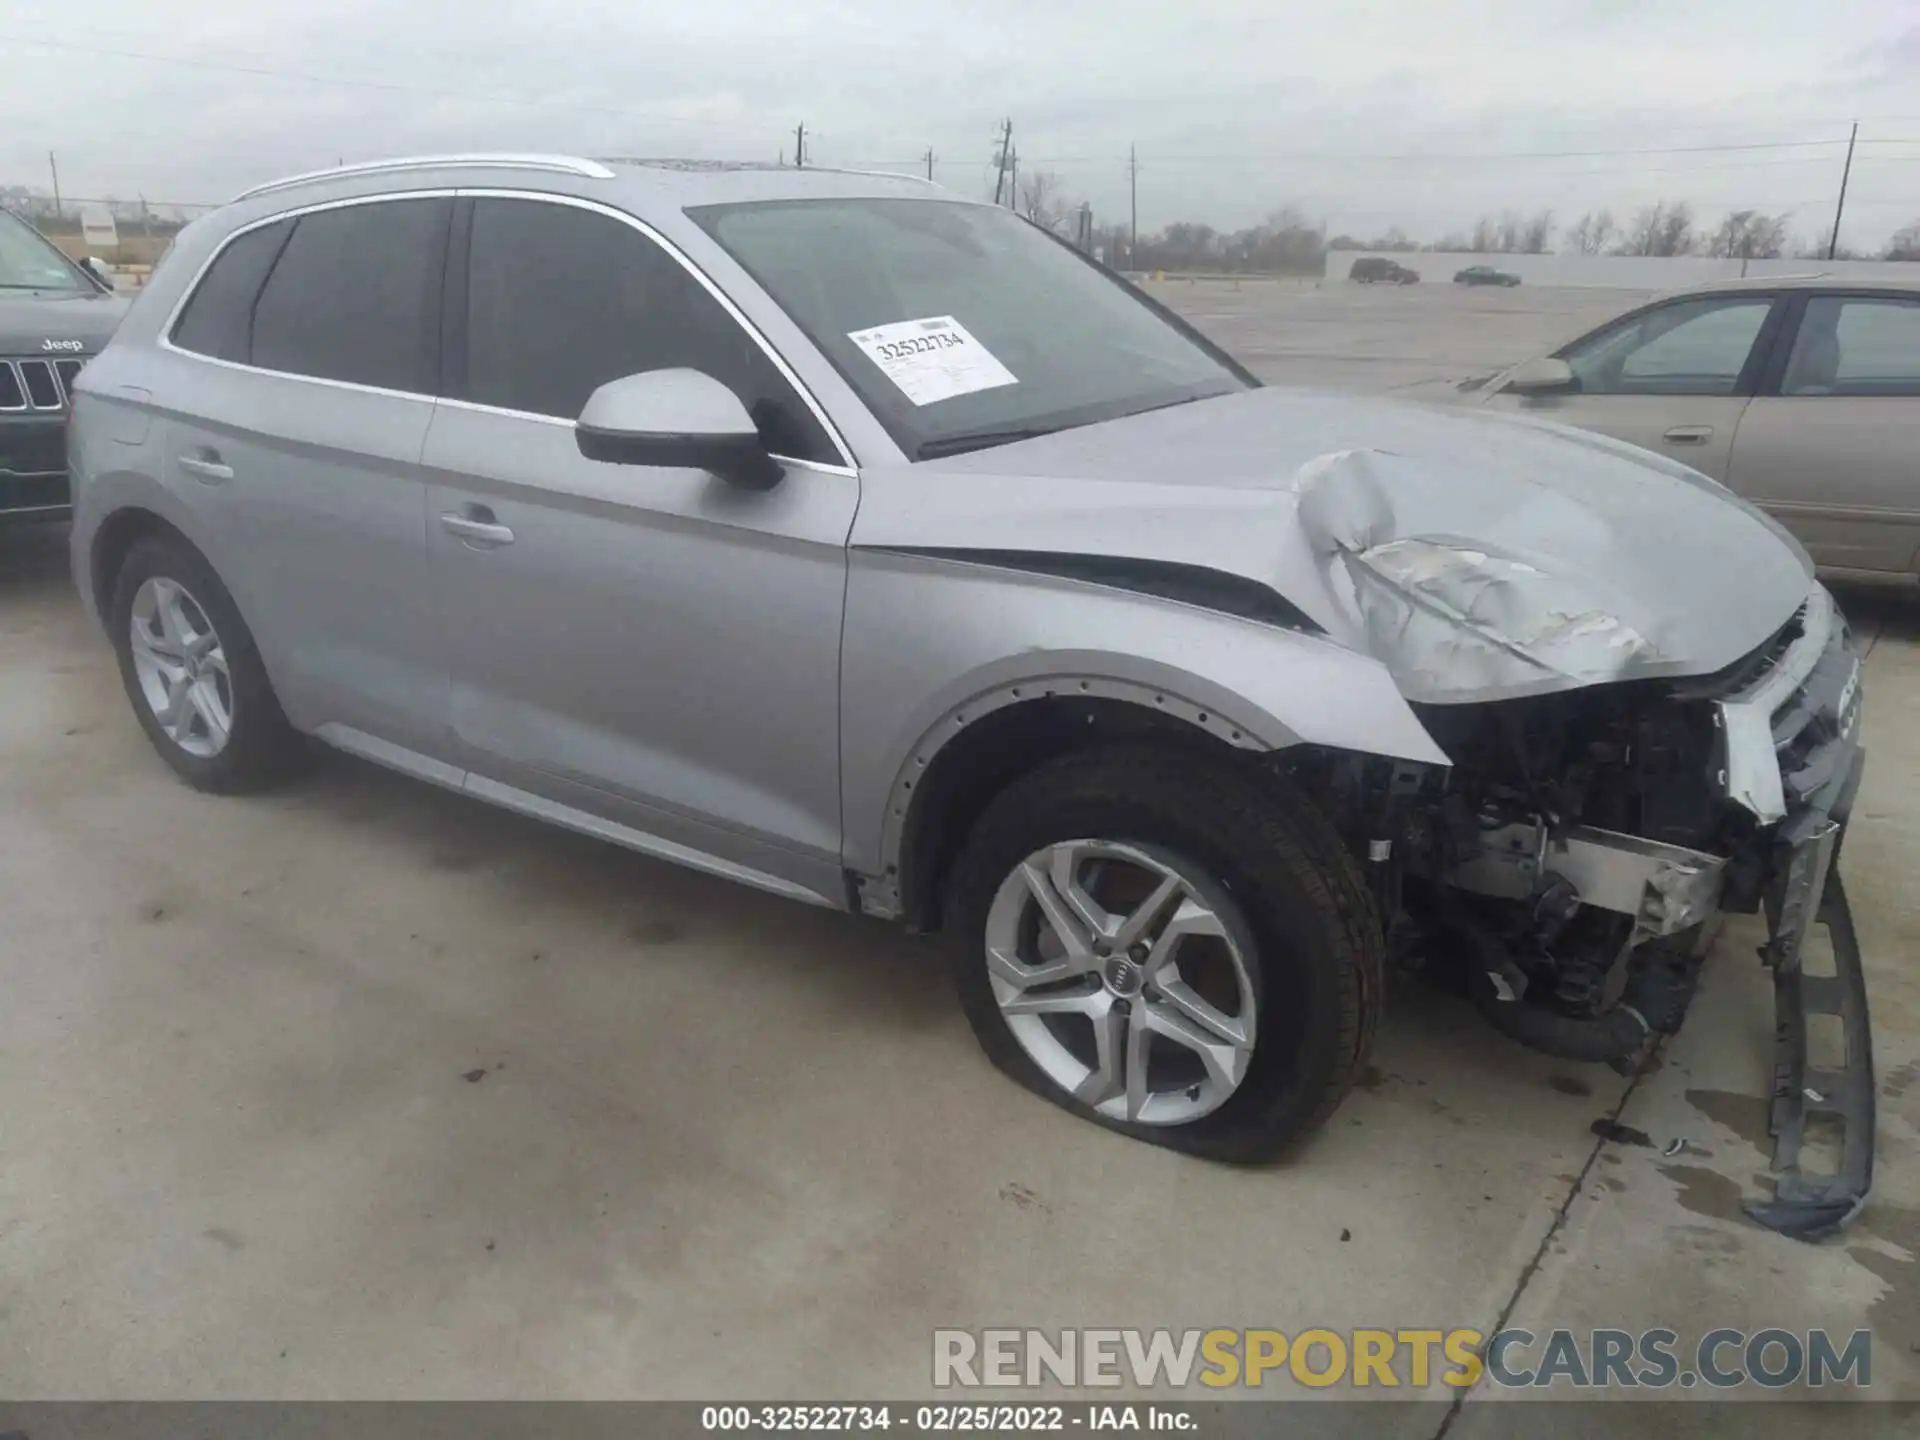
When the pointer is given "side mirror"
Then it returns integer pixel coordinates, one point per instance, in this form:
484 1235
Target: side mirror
97 268
1545 376
676 418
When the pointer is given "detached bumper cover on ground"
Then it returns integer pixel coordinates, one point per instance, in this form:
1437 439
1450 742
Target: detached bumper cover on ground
1793 755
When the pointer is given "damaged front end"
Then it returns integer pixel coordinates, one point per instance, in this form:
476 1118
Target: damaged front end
1607 802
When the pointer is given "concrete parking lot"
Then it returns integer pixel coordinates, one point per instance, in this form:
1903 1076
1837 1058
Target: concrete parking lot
1384 337
362 1089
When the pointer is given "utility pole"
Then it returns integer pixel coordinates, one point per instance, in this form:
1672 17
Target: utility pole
54 166
1833 240
800 146
1013 190
1133 201
929 162
1002 154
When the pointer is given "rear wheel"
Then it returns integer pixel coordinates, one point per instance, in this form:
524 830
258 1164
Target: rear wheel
193 673
1168 944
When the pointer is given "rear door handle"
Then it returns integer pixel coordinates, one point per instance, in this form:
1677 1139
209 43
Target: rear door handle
206 465
476 527
1689 435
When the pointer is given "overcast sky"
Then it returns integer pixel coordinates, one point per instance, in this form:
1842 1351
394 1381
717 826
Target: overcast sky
1237 106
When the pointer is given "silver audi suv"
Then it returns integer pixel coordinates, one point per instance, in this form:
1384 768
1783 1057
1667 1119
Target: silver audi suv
833 534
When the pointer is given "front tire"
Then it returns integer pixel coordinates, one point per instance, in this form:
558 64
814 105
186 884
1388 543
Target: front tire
193 673
1170 944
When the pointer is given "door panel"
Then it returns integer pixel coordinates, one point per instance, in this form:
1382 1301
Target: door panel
1696 430
1673 378
1840 472
307 474
330 544
1835 455
650 644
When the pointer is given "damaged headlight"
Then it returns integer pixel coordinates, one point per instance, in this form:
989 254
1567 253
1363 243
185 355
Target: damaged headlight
1453 618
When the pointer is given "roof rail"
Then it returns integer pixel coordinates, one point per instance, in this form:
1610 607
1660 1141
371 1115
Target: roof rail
879 174
668 162
1768 279
553 164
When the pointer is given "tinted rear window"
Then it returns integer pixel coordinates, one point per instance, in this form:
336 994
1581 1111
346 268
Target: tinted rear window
218 320
354 296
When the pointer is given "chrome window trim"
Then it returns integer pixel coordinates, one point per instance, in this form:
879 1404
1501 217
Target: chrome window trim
561 164
172 322
846 467
819 466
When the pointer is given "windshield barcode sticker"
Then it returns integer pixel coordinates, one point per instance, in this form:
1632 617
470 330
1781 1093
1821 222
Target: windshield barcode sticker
933 359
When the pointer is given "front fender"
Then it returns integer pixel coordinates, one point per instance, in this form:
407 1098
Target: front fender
933 643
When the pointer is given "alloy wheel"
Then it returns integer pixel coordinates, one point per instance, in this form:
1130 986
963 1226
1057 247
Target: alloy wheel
182 667
1123 972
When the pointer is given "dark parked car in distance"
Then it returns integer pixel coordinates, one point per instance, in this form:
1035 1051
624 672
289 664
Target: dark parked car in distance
1375 269
54 315
1485 275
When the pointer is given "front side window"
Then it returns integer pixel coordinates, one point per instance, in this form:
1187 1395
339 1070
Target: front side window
963 326
29 262
353 296
1855 345
1693 347
560 300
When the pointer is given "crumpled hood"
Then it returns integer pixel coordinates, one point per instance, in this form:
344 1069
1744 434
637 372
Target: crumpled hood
1477 556
28 321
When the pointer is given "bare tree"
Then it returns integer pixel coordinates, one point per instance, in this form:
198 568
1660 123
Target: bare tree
1905 244
1816 248
1590 233
1511 234
1748 235
1663 228
1676 235
1183 245
1285 242
1044 201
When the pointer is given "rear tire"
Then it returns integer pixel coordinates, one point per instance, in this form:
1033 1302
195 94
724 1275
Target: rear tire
1236 845
193 673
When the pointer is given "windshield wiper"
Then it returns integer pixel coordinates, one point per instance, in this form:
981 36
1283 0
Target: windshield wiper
979 440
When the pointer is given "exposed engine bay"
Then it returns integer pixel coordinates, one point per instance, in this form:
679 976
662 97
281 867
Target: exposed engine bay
1575 858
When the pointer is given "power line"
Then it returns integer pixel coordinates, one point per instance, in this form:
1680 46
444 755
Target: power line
274 73
1344 157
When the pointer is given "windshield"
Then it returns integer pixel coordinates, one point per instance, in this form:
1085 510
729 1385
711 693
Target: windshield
28 262
963 326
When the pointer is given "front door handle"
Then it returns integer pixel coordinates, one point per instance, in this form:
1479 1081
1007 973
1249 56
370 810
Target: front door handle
1689 435
206 465
477 528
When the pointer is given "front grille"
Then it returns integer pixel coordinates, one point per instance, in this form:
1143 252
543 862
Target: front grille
33 447
36 384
